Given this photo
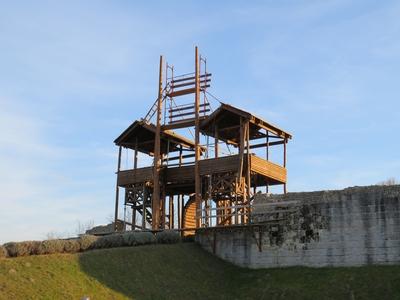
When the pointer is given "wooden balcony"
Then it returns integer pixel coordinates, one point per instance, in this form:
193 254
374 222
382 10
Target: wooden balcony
266 171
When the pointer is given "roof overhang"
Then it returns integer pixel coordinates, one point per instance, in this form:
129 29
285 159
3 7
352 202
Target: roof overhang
225 123
140 135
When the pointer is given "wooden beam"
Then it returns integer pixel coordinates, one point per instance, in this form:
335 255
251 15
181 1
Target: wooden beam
267 156
189 113
181 157
190 78
197 138
157 161
133 218
180 197
284 163
228 128
284 153
117 189
191 83
183 108
276 132
241 149
216 142
267 144
187 91
248 178
135 157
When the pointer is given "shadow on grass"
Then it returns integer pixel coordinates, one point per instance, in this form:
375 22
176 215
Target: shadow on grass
178 271
185 271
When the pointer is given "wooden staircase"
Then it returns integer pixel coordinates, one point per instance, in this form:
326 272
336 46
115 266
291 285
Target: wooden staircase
189 217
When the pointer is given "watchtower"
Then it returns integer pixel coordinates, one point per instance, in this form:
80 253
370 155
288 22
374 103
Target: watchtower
191 183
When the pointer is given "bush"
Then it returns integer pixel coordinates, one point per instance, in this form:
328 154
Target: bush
87 242
3 252
71 246
134 238
15 249
168 237
109 241
51 246
34 247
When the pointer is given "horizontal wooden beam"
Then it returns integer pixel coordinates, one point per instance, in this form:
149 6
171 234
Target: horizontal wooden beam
261 125
228 128
190 113
180 108
177 157
189 78
189 83
186 91
266 144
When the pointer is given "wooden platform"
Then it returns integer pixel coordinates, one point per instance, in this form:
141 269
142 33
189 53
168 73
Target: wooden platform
183 177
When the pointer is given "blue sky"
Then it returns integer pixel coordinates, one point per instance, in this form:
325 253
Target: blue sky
74 74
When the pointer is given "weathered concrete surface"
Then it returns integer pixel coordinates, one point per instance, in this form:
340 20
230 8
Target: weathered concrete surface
351 227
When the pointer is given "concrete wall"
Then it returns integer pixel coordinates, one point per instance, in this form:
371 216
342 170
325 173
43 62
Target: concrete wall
351 227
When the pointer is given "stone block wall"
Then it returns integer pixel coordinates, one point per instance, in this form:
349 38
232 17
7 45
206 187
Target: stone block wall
351 227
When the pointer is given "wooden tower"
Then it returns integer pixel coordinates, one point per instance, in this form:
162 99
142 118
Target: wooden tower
186 187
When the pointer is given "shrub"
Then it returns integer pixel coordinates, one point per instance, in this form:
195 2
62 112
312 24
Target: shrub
3 252
134 238
71 246
34 247
109 241
168 237
51 246
15 249
87 241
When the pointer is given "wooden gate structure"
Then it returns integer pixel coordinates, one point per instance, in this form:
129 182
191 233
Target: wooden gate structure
185 187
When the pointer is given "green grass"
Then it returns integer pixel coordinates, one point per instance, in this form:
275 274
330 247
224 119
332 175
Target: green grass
182 271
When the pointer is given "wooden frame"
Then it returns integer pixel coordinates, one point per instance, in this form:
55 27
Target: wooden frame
196 191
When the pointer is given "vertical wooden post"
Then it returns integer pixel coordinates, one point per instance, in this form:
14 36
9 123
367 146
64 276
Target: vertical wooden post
135 156
284 153
179 212
170 213
245 210
197 139
216 142
180 197
182 200
284 162
157 164
240 179
267 152
144 211
133 218
117 189
163 208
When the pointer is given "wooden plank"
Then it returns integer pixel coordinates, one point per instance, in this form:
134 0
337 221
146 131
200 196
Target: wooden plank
268 169
138 175
190 78
190 83
267 144
180 174
197 184
181 124
117 189
189 113
179 108
186 91
219 165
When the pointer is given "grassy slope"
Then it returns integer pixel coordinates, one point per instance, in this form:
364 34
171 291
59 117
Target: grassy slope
182 271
